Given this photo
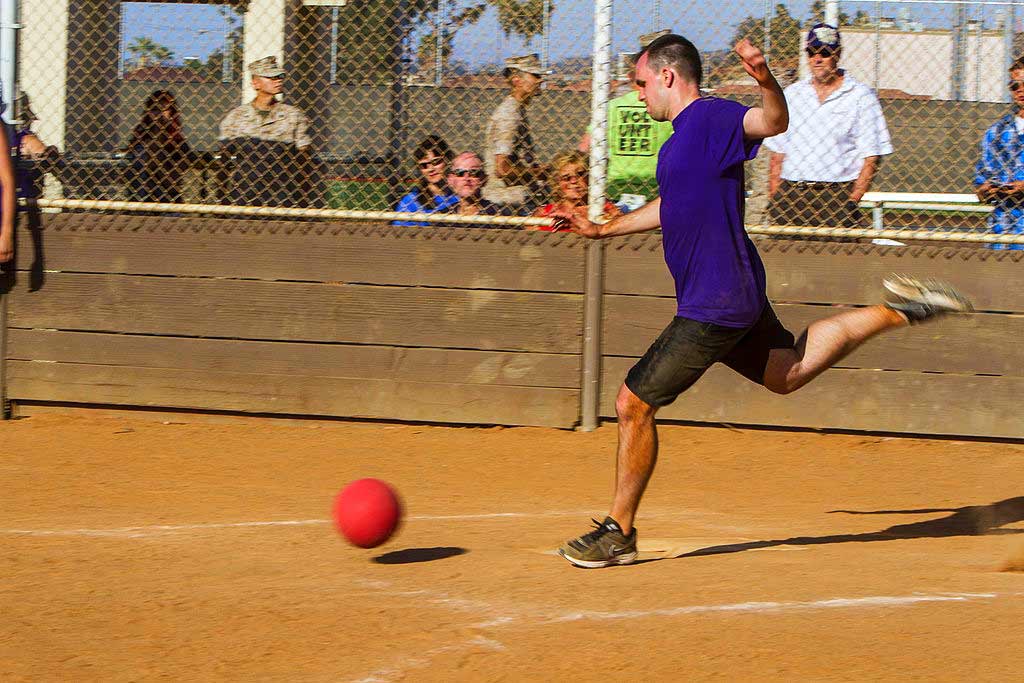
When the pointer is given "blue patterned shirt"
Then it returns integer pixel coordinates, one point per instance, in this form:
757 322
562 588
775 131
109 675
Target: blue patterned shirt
1002 161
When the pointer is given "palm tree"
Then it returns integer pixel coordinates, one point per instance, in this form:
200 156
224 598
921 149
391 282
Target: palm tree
147 51
522 17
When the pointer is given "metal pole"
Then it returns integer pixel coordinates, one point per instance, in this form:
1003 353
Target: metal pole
8 62
120 45
767 48
1008 30
959 49
978 38
396 127
590 391
439 43
545 45
878 42
335 11
832 13
226 59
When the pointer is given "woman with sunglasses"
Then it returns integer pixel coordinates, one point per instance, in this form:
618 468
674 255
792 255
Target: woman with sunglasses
431 194
570 187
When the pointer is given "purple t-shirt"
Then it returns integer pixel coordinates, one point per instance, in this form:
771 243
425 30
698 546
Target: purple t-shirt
718 272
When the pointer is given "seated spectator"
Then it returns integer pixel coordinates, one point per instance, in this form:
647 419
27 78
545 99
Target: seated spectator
431 194
570 174
467 179
999 173
34 158
265 147
158 151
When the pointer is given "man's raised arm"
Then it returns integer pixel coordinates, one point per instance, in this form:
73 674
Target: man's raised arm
772 117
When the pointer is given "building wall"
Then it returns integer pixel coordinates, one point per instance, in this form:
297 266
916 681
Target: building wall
921 63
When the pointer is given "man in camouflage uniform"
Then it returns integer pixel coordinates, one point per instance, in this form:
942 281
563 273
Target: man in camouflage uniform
517 180
267 145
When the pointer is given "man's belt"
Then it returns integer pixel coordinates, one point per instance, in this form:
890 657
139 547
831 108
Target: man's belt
817 183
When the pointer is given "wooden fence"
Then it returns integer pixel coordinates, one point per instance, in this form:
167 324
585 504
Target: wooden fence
462 325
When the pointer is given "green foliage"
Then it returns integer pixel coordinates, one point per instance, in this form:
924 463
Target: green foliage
147 52
784 30
369 29
455 19
523 18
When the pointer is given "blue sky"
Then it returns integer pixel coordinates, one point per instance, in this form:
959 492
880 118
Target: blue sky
194 30
188 30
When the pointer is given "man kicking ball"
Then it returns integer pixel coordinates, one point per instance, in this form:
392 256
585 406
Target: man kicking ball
723 313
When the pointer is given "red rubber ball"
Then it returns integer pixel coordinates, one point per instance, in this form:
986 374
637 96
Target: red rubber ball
367 512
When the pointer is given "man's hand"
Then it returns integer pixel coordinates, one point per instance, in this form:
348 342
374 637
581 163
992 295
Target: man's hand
988 190
753 61
6 247
577 222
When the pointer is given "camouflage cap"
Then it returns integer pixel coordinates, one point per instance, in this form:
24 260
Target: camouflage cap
266 67
528 63
648 38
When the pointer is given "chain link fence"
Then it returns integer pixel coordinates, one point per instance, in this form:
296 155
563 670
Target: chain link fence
161 102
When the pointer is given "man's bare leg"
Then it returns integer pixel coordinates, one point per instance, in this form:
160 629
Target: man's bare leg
636 456
613 541
825 343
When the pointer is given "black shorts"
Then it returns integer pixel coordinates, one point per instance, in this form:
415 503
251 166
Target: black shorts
687 348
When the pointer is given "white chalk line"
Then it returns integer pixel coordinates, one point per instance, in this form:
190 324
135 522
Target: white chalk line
160 529
497 617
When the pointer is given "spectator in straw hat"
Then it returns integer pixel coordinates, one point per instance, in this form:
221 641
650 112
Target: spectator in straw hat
267 145
517 179
570 176
822 166
999 173
634 139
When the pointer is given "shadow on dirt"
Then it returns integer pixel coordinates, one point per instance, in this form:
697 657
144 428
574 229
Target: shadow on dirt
410 555
972 520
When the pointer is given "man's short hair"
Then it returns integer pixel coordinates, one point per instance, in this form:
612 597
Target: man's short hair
1018 64
467 153
678 53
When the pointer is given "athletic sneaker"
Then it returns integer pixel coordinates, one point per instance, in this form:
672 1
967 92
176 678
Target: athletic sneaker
604 546
922 300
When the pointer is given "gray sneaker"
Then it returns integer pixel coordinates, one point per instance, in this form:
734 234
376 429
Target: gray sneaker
922 300
604 546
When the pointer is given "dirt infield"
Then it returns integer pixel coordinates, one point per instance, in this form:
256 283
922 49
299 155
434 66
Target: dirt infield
136 550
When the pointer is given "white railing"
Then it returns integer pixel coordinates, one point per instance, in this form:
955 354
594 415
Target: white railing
878 202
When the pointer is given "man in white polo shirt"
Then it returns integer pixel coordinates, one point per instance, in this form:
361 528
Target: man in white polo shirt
824 163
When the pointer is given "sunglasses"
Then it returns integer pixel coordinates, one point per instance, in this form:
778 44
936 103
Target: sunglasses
1014 86
820 52
569 177
471 172
432 162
